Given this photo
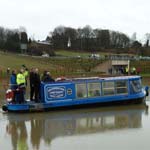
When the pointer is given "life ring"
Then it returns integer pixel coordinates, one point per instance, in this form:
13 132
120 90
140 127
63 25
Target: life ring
9 95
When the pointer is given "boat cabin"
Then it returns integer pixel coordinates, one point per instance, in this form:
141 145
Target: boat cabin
90 88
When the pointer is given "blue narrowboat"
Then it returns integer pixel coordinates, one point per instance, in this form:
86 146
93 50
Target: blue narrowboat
81 92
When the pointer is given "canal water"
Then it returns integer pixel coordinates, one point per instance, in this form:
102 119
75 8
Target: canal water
104 128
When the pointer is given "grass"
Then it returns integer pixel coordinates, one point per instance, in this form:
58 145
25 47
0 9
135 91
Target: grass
77 53
60 66
144 66
71 53
69 67
57 66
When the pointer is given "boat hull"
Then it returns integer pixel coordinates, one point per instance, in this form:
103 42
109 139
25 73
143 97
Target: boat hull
41 107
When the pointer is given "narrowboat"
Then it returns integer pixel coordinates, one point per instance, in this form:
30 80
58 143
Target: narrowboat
82 92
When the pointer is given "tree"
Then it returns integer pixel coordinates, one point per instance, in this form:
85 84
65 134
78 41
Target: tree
86 36
147 38
58 37
105 39
23 37
2 37
29 41
12 41
119 40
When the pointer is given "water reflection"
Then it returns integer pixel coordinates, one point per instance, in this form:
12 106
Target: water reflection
28 130
18 132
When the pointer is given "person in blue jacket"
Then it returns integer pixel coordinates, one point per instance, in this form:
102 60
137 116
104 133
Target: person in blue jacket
13 83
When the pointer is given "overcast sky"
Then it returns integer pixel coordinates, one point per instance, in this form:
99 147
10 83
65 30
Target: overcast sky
39 17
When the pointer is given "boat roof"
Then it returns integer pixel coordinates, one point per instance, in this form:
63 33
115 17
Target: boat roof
107 78
95 79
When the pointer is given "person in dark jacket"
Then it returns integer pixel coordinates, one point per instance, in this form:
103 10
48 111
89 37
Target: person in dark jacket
47 77
31 79
44 76
37 83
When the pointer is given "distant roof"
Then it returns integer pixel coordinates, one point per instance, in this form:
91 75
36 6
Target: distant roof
44 42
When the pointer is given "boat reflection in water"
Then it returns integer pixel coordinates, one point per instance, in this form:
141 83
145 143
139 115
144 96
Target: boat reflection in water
28 131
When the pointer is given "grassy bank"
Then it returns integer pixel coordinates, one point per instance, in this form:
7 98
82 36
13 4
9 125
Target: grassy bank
61 66
57 66
144 66
77 53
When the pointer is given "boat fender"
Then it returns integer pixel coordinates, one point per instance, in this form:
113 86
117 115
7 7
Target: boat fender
9 95
147 90
4 108
60 79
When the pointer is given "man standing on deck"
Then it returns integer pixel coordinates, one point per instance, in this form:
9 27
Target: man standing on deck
25 73
32 88
37 83
21 82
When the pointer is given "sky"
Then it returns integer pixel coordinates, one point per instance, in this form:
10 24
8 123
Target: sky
39 17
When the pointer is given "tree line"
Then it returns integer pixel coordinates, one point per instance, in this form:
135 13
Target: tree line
81 39
10 39
90 39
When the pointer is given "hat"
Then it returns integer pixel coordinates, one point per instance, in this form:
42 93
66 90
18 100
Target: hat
23 66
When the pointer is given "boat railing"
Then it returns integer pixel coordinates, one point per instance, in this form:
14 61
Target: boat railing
86 78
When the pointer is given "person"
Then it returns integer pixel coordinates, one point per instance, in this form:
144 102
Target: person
21 82
47 77
36 84
43 78
13 84
138 70
31 79
8 71
127 70
26 72
133 70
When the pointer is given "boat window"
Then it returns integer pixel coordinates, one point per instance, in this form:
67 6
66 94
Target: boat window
135 86
93 89
81 90
121 87
108 88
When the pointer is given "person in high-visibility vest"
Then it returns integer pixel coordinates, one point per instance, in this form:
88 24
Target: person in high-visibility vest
127 70
25 72
134 70
20 78
21 82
